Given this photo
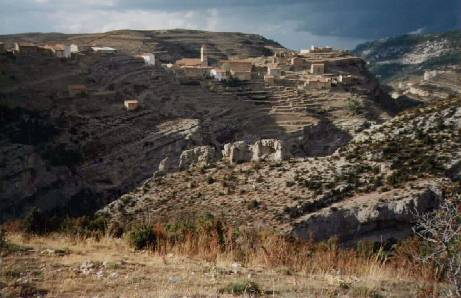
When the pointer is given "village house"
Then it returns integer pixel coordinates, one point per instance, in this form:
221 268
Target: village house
297 61
149 58
241 70
195 62
194 68
269 79
219 74
188 62
318 83
317 68
104 50
131 104
77 90
26 49
346 79
274 71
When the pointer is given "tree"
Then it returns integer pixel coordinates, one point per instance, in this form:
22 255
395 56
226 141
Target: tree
440 232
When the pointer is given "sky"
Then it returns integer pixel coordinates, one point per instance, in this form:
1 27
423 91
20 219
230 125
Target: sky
295 24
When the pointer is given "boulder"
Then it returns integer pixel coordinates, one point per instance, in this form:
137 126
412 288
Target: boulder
237 152
268 150
165 165
199 156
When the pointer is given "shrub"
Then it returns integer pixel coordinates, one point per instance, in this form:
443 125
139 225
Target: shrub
37 222
253 204
354 106
210 180
142 237
249 288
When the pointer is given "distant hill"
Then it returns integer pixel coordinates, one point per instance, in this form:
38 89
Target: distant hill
173 44
411 54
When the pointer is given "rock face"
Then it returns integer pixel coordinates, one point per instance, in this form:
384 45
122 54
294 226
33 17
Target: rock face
237 152
389 214
268 150
409 54
262 150
165 165
199 156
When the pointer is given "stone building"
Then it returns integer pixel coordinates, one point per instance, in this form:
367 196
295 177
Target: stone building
26 49
274 71
297 61
318 83
220 74
346 79
241 70
317 68
149 58
131 104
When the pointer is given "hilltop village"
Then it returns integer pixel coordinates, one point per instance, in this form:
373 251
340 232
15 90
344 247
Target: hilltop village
299 71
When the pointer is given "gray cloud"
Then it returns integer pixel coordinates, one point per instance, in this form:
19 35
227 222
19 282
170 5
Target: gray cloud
296 23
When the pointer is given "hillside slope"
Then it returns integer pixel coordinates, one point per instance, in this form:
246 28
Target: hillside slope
369 189
397 57
172 44
77 153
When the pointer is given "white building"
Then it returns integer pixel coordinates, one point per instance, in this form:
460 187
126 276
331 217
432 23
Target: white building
219 74
149 58
104 50
69 50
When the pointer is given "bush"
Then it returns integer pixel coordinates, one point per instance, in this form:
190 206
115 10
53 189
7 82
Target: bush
142 238
210 180
249 288
354 106
37 222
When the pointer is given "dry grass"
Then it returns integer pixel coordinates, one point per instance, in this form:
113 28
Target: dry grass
201 264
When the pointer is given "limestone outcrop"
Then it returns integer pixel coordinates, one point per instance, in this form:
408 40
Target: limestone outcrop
368 217
268 150
199 156
237 152
262 150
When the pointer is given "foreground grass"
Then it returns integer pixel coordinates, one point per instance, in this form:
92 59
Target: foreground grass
57 265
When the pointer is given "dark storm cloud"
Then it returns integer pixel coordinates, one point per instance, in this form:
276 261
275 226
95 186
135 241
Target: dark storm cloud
367 19
338 22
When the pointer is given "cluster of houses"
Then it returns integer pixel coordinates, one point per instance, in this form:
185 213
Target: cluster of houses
52 50
284 65
196 68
